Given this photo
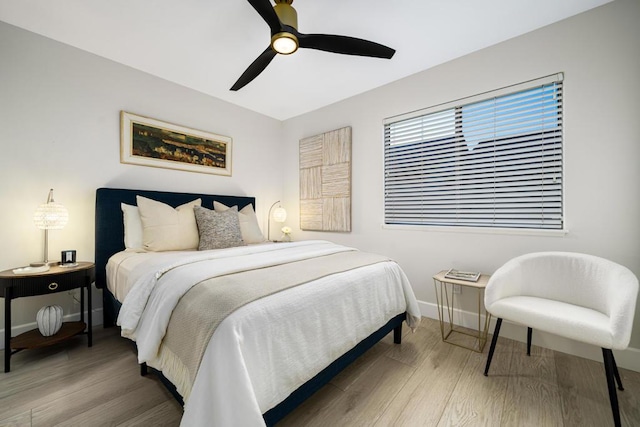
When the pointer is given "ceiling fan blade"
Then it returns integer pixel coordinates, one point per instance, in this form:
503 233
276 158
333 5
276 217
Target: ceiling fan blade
345 45
255 68
265 9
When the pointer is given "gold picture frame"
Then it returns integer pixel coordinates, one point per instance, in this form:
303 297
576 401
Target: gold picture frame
150 142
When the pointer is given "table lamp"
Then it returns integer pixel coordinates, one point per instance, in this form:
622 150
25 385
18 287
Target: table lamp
279 215
49 216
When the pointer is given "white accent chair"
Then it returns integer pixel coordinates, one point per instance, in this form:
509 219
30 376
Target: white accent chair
577 296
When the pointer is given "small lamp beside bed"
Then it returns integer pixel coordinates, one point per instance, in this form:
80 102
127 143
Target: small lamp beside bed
49 216
278 215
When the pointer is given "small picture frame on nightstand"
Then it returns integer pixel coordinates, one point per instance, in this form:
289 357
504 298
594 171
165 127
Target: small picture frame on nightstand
68 257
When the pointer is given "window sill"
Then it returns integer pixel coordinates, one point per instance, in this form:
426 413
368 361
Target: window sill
477 230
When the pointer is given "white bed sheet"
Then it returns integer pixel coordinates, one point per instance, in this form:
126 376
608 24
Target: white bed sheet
268 348
123 269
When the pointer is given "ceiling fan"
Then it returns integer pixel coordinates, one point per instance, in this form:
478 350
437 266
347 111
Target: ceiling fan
286 39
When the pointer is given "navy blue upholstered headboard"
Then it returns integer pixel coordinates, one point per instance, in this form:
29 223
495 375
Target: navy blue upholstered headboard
109 221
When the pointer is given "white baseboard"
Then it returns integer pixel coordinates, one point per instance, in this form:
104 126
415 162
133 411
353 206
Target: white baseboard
96 320
628 359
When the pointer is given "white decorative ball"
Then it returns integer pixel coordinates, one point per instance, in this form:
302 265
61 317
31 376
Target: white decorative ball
49 320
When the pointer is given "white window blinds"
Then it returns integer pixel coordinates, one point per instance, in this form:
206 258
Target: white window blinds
494 160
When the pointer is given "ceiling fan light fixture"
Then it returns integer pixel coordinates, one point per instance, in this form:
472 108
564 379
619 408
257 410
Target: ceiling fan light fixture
282 20
284 43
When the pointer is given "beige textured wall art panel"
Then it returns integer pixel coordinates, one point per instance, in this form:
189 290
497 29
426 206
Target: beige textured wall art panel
325 181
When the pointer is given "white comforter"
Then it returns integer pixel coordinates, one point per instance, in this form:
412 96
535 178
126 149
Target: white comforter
265 350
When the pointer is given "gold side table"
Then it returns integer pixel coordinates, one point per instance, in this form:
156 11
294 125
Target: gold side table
446 297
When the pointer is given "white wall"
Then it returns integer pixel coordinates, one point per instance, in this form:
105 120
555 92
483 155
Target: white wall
59 128
599 52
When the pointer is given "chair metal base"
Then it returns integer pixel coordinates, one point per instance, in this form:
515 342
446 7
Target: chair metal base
610 368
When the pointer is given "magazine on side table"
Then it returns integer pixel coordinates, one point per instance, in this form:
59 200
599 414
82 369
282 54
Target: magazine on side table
469 276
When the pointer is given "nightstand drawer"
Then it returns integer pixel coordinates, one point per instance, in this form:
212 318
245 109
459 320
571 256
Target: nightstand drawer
56 280
49 284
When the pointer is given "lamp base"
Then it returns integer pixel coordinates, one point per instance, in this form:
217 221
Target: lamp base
41 263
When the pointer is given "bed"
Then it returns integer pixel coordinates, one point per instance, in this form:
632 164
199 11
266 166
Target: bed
262 360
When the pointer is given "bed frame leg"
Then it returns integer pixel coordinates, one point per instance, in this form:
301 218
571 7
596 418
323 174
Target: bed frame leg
143 370
397 334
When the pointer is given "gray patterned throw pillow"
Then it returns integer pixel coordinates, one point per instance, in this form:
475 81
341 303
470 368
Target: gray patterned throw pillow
218 230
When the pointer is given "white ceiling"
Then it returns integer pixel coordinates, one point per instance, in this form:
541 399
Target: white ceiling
207 45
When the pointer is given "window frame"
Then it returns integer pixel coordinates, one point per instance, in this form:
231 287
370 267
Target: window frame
457 106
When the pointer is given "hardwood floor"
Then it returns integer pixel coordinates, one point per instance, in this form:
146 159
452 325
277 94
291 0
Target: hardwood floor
423 382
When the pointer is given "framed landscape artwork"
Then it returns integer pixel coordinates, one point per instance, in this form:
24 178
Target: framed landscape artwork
150 142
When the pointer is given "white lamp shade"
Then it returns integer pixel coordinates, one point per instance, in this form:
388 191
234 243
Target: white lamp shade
279 214
51 216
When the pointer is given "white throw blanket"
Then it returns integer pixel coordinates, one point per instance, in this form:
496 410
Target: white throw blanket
312 326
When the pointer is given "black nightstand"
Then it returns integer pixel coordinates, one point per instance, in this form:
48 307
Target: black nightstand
57 279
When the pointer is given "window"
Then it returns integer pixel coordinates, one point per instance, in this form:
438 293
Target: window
494 160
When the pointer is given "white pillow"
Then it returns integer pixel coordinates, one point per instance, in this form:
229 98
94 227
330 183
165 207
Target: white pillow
167 229
249 227
132 228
